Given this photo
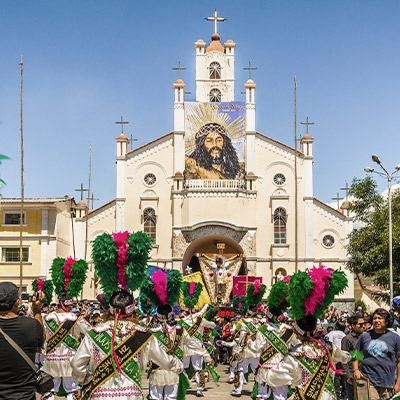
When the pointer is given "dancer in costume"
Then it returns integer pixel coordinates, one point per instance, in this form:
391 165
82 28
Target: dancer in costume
63 328
117 351
248 359
195 352
306 367
273 341
163 292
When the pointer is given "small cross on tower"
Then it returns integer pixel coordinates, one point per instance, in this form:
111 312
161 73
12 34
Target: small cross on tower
250 68
122 123
338 200
81 190
131 140
346 189
308 123
215 18
179 69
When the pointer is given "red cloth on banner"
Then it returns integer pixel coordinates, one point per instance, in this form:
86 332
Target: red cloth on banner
240 284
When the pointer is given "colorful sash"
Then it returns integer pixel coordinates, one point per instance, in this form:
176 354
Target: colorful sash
278 344
125 352
60 334
173 350
193 331
320 379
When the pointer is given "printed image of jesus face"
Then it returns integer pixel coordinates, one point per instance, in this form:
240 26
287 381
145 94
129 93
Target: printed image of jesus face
214 151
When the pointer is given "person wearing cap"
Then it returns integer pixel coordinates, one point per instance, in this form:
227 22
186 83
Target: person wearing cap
17 379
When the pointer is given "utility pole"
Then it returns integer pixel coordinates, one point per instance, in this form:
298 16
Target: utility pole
88 198
296 244
21 218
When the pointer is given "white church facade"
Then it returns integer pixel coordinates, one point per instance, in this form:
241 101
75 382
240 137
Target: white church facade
216 185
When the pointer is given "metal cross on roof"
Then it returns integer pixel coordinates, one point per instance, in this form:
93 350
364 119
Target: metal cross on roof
81 190
215 18
92 199
338 200
131 140
308 123
179 69
346 189
122 123
250 68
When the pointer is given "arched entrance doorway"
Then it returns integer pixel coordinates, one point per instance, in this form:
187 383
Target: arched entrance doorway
208 245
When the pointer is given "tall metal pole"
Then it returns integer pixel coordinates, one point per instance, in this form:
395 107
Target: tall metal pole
296 247
390 240
87 206
21 220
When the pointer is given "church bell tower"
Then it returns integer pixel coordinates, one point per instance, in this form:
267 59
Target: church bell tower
215 67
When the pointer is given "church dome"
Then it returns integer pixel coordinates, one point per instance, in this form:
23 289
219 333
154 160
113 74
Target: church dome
345 205
229 41
215 44
81 204
306 136
200 41
179 82
250 82
178 173
122 136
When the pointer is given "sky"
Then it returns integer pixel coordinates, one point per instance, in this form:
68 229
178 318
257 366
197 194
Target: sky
87 63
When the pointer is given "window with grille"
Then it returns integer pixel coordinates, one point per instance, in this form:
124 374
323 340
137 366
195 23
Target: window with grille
11 254
14 218
215 95
215 70
280 219
150 220
279 179
328 241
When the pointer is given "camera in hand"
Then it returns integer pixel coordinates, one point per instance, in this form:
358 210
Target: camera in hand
28 297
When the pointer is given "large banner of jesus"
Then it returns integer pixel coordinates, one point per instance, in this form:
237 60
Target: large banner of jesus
215 140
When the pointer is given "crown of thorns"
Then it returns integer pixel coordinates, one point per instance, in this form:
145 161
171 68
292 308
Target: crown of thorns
212 127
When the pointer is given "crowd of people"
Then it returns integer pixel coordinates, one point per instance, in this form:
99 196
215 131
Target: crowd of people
291 345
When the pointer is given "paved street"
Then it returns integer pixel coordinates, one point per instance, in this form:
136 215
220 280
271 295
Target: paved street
213 392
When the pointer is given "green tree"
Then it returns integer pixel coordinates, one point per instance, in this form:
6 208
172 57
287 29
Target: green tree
368 247
2 157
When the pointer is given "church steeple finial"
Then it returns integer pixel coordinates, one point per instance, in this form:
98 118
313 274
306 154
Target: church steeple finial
215 18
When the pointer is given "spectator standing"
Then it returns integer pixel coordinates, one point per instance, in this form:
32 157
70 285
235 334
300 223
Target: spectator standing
381 350
336 337
357 325
17 379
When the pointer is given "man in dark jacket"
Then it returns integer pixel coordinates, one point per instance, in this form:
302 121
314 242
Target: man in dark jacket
17 379
357 325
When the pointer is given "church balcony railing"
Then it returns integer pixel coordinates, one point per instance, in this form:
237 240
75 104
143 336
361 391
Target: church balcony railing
219 184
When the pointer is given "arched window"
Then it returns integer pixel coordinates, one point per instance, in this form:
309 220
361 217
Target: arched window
215 95
150 220
215 70
280 219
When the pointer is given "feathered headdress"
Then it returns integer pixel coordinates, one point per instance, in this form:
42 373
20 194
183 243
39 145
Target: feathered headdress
120 259
161 289
68 275
104 300
212 312
191 292
277 298
255 292
240 305
311 292
44 286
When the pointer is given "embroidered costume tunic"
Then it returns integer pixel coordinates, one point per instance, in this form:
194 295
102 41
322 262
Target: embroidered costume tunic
291 372
119 387
58 362
244 331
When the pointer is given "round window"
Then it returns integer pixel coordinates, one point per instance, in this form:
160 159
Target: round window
279 179
150 179
328 241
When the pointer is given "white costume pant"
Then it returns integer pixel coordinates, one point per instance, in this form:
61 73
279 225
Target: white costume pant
232 370
243 368
69 384
264 391
169 392
197 362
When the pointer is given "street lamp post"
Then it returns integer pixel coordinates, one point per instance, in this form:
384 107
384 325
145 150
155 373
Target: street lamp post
386 174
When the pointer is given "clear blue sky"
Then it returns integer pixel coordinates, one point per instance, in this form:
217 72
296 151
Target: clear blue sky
86 63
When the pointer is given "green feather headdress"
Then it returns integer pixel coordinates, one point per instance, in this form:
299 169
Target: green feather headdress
277 298
191 292
44 286
255 292
240 305
120 259
161 289
212 312
68 275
